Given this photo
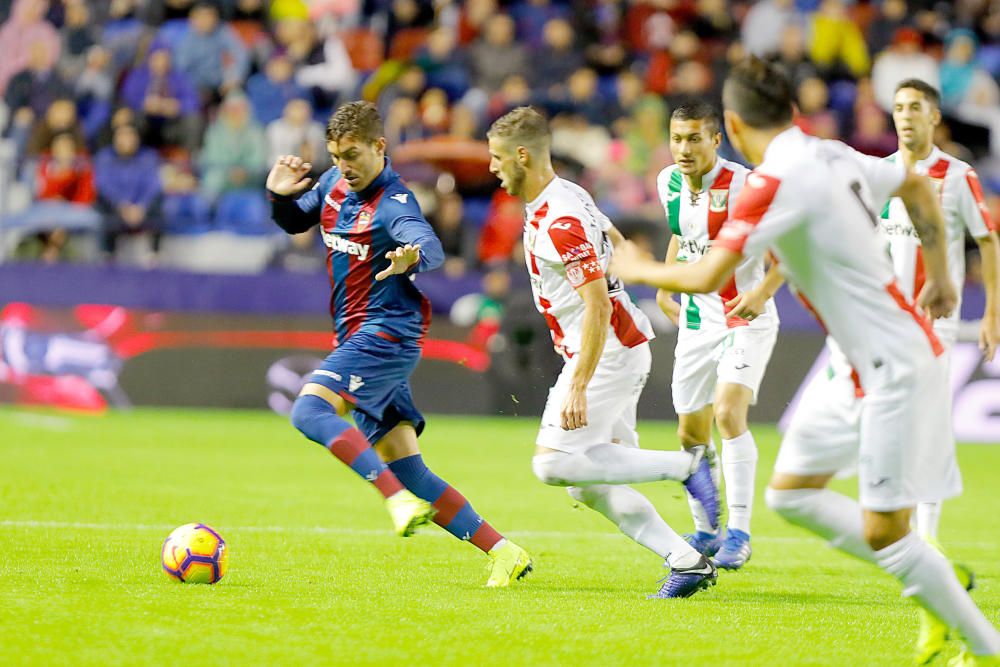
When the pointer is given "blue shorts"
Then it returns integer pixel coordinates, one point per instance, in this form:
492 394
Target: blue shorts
372 373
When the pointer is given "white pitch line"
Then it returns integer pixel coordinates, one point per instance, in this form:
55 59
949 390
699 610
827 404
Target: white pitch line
324 530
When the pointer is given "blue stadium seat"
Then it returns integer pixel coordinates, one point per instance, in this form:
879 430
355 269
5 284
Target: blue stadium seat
187 213
244 212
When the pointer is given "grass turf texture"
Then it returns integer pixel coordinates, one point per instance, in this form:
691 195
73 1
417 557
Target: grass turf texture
317 577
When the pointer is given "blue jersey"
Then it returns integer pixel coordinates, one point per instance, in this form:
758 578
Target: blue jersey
359 228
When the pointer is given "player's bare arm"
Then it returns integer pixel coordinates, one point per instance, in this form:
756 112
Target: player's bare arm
401 260
989 328
594 333
754 302
616 236
289 176
938 297
708 274
664 298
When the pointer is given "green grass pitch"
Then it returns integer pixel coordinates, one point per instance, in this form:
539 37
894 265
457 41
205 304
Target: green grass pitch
316 576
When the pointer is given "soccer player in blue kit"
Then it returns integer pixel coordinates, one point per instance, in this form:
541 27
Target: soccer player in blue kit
377 238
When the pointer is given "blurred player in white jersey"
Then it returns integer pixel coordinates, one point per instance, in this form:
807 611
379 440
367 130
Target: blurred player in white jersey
724 338
811 202
831 402
587 440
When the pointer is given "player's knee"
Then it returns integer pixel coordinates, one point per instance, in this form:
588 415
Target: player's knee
788 502
307 415
731 419
547 469
689 435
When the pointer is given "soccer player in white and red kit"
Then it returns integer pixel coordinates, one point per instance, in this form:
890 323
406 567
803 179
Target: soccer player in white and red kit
811 203
724 338
587 440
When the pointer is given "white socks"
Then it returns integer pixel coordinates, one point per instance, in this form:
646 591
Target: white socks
927 517
929 578
611 464
834 517
739 469
698 513
636 517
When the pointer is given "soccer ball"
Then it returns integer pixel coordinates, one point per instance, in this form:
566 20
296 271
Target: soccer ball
195 554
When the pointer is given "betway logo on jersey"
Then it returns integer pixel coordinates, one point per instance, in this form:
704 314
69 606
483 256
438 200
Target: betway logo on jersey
890 228
340 244
692 247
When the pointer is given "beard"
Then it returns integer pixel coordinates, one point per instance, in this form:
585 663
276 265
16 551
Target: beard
515 184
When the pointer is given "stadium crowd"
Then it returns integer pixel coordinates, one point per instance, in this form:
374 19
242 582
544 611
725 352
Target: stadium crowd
128 123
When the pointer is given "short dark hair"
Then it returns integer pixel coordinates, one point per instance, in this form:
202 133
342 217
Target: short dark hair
929 92
359 120
758 93
524 126
698 110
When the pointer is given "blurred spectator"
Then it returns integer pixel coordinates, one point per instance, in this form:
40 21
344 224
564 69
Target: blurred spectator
411 83
122 34
328 71
532 17
629 88
434 112
574 137
583 98
791 56
65 172
513 92
211 54
60 117
270 90
78 35
872 134
882 30
443 64
903 60
557 59
402 122
184 210
94 89
495 55
967 90
814 116
235 152
455 232
765 22
647 130
502 229
837 46
26 28
34 88
296 133
713 22
165 102
128 186
473 18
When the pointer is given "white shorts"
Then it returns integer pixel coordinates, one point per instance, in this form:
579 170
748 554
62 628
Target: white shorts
703 359
612 397
898 437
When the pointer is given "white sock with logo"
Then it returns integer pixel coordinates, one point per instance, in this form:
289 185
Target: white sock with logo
636 517
834 517
611 464
929 578
698 513
927 518
739 469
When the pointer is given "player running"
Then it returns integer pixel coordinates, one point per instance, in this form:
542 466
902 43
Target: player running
831 402
377 238
811 202
724 338
587 440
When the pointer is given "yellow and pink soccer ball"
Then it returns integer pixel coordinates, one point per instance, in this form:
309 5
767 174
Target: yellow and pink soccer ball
195 554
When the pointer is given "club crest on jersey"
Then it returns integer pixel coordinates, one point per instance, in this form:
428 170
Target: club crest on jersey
364 220
718 200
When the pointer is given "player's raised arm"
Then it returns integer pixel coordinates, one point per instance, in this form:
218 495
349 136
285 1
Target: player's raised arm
292 210
706 275
938 297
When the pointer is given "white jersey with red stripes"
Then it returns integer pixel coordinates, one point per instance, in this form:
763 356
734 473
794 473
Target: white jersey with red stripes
812 202
964 208
565 247
695 218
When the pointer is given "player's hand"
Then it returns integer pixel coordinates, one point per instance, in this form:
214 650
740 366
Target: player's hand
289 175
989 336
400 261
938 298
670 308
747 305
574 409
628 261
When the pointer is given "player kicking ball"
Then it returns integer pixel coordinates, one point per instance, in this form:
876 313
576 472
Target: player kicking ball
587 440
377 238
811 202
724 338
